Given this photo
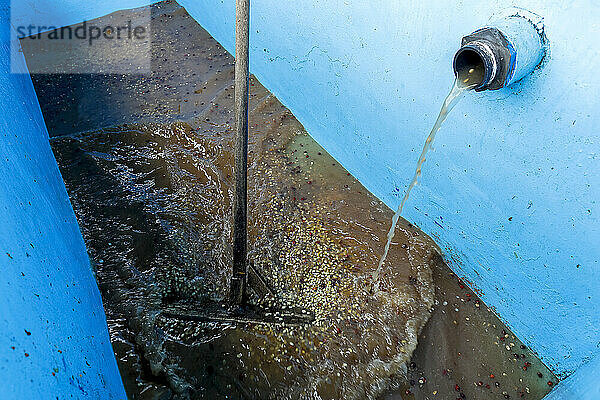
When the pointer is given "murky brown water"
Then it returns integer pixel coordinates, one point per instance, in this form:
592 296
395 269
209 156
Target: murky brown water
154 205
153 201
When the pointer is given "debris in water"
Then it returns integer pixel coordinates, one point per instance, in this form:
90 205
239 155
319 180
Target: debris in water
157 193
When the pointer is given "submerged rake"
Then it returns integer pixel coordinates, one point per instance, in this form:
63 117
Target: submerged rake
244 275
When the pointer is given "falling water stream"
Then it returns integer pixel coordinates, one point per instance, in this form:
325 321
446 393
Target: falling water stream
459 87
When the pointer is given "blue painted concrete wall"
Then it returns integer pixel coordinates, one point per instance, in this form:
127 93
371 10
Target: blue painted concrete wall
511 192
582 385
54 341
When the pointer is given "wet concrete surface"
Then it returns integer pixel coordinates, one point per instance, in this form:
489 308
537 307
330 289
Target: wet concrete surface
147 163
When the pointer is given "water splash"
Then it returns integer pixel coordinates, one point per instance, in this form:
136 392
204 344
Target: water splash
458 89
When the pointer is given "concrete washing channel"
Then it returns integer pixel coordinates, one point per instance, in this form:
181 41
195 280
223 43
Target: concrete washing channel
140 134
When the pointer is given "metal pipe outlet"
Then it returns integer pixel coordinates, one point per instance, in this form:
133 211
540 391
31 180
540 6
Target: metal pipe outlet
502 53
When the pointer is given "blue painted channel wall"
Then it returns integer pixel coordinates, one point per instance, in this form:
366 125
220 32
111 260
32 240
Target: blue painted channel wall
54 341
581 385
511 192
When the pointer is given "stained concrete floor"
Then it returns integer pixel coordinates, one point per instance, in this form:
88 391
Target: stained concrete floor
464 350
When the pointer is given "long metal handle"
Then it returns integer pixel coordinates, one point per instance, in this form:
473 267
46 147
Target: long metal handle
240 268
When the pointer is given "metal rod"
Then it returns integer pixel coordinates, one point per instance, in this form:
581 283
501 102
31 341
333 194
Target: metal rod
240 268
